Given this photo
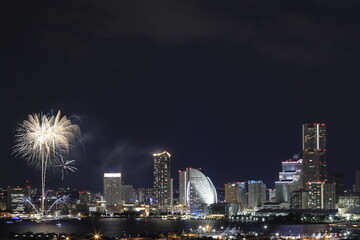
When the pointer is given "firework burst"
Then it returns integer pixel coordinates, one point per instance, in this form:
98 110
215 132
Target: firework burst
43 140
66 167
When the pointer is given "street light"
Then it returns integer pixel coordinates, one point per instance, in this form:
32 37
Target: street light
96 236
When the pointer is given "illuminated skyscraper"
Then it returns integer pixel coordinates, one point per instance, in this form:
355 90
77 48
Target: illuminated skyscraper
112 188
162 187
314 152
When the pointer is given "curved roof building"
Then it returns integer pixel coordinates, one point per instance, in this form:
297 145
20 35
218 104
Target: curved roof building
200 188
199 191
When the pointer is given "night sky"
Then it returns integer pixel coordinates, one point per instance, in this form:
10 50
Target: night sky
221 85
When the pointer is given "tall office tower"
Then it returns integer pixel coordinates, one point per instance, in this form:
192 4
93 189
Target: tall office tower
314 152
290 179
112 188
357 181
256 194
162 179
182 187
316 194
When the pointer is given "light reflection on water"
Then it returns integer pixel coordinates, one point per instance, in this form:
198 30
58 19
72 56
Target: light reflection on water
115 227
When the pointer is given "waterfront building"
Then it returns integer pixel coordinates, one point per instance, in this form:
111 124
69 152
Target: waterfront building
243 195
200 192
270 195
329 195
3 199
236 193
15 199
300 199
349 200
232 192
220 191
85 197
290 179
275 205
112 188
256 194
182 187
314 152
162 183
338 179
357 181
127 193
316 194
171 194
321 195
144 195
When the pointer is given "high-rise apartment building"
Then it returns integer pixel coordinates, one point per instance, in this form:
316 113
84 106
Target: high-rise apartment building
112 188
162 188
316 194
314 152
256 194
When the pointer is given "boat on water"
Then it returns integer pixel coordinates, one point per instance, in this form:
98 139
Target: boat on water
58 224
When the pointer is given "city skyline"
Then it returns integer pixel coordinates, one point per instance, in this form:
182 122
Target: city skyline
312 141
213 83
